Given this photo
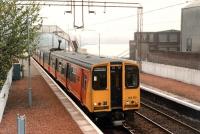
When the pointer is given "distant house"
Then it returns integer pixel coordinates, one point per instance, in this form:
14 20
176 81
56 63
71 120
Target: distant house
190 28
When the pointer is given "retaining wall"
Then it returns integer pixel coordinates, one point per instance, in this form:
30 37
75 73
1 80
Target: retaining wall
4 92
186 75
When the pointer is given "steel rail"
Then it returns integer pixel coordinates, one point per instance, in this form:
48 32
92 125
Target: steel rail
128 128
153 122
170 117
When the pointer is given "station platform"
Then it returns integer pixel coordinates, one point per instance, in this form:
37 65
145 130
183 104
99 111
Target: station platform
51 111
174 90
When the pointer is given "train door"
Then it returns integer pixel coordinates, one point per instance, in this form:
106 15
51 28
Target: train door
43 58
40 53
83 86
116 86
49 61
67 74
56 68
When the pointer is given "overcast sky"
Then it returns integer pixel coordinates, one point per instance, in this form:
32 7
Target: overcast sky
119 23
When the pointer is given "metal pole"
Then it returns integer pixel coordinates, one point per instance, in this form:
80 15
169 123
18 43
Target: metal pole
137 37
29 68
21 124
99 43
52 40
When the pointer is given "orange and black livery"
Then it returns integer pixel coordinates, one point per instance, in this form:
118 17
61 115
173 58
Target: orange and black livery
104 86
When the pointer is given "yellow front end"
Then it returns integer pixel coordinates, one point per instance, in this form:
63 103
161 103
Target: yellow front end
100 92
101 101
131 93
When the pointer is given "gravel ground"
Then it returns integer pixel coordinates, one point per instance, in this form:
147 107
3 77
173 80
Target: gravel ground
179 88
46 116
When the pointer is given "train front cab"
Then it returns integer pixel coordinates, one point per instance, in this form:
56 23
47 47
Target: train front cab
115 89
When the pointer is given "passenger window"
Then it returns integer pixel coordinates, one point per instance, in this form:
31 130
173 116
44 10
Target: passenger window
99 78
63 70
71 75
131 76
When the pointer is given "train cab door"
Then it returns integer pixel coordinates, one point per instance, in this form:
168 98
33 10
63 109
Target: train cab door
56 68
116 86
83 86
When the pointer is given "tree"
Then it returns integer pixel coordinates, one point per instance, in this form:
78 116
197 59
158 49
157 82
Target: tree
14 23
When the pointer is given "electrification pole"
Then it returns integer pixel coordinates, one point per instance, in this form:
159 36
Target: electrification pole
139 36
29 67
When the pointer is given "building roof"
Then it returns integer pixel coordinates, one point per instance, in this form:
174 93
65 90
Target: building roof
171 30
193 4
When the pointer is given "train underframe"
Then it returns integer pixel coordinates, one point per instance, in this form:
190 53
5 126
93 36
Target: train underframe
116 116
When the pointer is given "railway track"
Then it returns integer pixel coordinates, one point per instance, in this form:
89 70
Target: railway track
124 129
166 123
129 129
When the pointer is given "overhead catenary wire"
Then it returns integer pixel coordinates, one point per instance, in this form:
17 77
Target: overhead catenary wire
146 12
82 3
78 1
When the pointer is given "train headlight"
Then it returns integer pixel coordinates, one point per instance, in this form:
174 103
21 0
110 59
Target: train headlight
127 102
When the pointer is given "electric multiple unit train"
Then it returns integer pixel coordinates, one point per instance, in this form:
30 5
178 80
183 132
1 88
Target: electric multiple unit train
104 86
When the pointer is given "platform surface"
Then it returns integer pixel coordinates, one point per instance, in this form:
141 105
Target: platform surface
47 115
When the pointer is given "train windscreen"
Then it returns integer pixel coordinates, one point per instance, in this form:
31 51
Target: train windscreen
131 76
99 80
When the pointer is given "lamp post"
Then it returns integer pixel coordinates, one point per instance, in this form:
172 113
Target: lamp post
29 66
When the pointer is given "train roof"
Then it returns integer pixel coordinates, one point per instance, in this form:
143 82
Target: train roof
85 60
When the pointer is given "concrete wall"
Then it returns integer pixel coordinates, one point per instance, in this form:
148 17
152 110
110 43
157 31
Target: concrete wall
190 76
4 93
181 59
142 52
190 28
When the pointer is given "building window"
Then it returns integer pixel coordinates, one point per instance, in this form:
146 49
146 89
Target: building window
173 37
189 44
162 37
145 37
151 37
